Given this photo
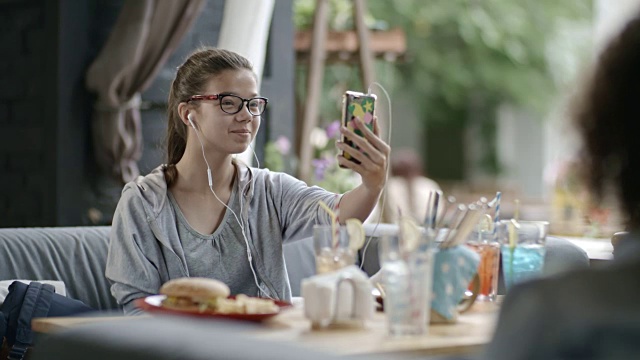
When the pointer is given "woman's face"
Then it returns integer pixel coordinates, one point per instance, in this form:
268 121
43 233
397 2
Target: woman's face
228 133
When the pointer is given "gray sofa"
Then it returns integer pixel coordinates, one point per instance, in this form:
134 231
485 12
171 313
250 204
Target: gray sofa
74 255
77 256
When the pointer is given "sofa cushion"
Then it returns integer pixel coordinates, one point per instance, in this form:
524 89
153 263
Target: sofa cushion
74 255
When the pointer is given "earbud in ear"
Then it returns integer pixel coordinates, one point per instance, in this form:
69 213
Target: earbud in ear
189 117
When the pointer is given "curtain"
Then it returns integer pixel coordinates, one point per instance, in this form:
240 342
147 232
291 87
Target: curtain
247 37
144 36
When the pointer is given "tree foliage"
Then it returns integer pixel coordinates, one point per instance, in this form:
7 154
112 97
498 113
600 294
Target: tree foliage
465 57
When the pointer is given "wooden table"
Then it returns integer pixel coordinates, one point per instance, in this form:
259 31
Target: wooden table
473 329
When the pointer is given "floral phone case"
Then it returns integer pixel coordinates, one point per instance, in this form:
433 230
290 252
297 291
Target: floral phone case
357 105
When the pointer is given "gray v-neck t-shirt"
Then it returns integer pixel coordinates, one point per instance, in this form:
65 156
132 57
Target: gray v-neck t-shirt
217 256
147 250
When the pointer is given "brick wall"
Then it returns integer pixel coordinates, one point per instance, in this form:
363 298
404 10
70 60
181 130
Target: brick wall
24 149
46 167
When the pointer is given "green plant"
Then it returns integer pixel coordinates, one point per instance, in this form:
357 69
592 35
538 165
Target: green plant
465 58
326 172
278 156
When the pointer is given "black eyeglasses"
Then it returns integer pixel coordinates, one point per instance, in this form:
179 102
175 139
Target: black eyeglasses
232 104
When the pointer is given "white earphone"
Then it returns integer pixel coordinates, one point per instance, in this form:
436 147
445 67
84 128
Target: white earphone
210 178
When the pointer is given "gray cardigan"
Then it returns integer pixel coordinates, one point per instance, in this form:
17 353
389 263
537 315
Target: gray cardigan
145 250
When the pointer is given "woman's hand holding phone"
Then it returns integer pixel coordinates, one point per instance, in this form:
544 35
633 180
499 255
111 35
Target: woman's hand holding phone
371 153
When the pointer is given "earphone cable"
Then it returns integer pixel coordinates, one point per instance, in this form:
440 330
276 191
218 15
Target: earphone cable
384 190
249 257
255 156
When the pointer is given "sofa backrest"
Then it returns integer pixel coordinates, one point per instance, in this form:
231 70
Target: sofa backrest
75 255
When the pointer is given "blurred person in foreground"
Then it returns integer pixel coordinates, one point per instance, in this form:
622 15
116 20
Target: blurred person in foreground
407 189
594 313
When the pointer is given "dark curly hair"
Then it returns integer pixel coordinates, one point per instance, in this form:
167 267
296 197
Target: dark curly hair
607 115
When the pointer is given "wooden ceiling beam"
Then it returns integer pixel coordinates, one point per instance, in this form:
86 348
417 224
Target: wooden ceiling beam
393 41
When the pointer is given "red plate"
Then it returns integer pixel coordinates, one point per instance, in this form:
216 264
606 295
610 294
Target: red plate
153 303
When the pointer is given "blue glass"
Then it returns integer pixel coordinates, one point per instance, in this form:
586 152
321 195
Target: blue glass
523 259
521 263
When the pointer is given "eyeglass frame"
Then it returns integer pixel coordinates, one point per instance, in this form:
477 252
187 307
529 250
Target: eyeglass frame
221 96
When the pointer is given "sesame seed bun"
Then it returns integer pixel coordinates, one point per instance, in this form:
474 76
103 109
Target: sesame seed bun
195 288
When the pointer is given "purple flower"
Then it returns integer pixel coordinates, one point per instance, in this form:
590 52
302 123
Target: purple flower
283 145
320 167
333 129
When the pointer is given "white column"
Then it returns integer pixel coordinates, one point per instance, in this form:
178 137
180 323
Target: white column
245 30
609 18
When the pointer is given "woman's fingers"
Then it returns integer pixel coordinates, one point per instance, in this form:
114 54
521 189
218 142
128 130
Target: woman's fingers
386 148
373 175
368 153
376 126
372 136
356 154
370 146
359 148
349 164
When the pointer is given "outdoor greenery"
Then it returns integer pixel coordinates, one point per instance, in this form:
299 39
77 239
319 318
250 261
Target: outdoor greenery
465 57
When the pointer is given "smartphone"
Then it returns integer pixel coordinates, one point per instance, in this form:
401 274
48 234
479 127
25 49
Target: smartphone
357 105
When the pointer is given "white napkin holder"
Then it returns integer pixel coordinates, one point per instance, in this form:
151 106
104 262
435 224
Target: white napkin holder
342 298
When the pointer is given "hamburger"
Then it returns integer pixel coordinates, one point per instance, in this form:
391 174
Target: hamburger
194 294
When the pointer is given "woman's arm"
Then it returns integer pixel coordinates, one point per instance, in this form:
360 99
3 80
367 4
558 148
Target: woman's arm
373 154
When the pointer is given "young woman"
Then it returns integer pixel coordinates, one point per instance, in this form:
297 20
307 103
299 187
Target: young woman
205 214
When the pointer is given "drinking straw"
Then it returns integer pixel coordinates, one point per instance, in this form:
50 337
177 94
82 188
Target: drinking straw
496 215
513 238
513 234
335 227
485 225
433 202
448 216
512 229
334 217
337 212
380 288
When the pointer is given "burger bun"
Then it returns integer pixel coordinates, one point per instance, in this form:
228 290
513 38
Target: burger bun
195 288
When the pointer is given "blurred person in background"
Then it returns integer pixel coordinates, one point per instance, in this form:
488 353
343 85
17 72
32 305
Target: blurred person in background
593 313
407 189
